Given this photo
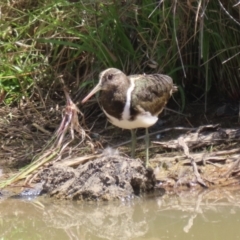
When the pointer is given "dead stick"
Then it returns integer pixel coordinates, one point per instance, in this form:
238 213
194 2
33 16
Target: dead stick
230 170
41 129
182 143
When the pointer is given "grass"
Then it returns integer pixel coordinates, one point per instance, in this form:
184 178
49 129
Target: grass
78 39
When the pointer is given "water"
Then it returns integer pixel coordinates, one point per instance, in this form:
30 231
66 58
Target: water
188 215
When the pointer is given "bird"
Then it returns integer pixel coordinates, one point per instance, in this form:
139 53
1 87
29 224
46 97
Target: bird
134 101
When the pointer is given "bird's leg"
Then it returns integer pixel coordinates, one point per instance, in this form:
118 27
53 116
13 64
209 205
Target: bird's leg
133 133
147 147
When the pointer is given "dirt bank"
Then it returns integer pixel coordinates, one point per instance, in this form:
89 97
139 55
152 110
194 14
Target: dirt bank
79 168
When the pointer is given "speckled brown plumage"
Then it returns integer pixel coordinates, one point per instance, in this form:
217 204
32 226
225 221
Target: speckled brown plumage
151 93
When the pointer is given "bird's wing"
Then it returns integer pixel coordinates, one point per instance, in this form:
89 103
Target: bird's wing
151 92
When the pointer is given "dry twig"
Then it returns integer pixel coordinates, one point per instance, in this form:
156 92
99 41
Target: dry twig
194 165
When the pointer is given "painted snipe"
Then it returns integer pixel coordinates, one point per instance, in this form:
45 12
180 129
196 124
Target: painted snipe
134 101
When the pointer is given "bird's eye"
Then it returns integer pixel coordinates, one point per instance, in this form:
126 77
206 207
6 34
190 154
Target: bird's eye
110 76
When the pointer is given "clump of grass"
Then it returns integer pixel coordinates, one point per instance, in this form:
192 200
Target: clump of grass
222 33
213 50
189 41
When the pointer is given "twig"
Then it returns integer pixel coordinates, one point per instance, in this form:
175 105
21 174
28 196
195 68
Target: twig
230 170
225 10
185 148
41 129
78 160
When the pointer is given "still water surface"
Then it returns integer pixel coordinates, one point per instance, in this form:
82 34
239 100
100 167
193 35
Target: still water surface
213 215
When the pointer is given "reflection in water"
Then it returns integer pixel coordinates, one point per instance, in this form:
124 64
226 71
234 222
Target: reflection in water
187 215
108 221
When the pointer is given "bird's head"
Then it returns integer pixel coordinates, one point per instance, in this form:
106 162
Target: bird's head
108 79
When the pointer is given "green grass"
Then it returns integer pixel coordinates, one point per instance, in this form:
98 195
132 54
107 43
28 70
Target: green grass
40 40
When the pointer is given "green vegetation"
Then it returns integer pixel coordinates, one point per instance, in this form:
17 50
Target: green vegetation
40 40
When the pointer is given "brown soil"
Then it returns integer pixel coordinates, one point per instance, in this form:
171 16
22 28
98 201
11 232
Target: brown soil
24 131
190 157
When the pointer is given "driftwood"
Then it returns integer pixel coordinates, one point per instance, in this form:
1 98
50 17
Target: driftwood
194 165
211 166
204 157
204 136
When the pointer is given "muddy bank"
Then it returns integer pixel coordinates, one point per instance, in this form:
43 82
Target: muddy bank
112 176
79 169
106 178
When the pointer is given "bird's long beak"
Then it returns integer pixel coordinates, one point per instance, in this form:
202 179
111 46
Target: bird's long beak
96 89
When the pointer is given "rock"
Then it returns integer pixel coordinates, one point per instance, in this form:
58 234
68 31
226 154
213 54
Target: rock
106 178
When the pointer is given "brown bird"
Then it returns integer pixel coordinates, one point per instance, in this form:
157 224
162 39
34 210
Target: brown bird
134 101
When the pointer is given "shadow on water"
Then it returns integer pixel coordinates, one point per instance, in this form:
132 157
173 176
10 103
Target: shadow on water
209 214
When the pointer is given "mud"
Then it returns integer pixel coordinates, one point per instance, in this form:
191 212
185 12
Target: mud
105 178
